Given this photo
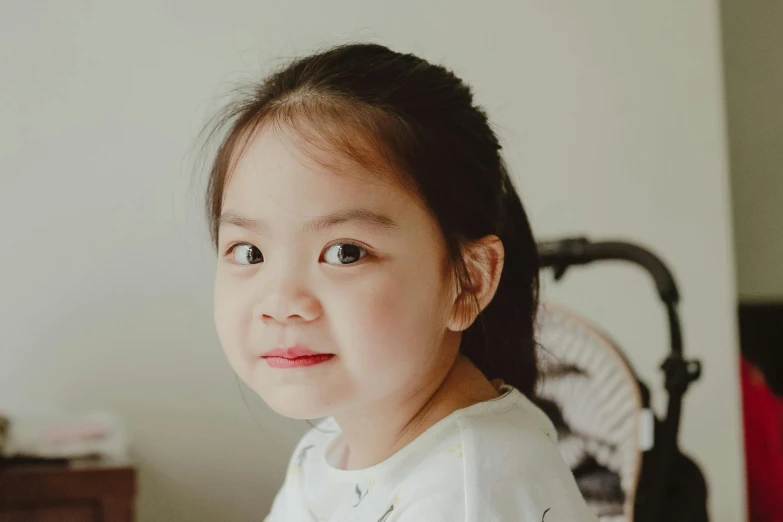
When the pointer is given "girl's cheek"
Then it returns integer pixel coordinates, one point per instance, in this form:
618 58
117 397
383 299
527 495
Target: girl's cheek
383 305
384 323
230 313
366 318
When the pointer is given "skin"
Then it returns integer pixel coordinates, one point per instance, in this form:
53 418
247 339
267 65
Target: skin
393 318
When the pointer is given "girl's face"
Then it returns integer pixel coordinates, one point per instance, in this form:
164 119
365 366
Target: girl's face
370 287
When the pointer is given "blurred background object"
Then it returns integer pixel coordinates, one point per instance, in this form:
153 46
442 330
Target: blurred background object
627 461
753 50
60 435
763 421
67 490
61 466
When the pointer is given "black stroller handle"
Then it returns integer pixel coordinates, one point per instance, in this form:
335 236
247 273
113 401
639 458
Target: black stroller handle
562 253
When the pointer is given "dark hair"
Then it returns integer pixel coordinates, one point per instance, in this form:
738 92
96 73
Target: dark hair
397 113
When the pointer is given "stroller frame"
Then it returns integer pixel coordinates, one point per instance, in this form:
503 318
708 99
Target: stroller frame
679 373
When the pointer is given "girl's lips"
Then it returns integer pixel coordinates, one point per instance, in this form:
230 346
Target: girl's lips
297 362
292 352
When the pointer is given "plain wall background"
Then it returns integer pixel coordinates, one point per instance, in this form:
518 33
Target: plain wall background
611 113
753 49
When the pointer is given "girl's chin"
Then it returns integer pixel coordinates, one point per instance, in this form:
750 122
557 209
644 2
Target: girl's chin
297 406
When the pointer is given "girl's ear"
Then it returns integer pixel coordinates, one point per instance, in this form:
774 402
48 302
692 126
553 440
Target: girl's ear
484 260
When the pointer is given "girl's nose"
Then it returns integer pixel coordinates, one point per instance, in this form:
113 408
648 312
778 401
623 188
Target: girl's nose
288 300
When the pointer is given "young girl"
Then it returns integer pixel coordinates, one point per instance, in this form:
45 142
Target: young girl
377 270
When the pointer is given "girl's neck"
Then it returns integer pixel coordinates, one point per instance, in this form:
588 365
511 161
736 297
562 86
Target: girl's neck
370 437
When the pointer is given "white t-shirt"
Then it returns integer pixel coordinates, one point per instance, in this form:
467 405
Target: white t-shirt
495 461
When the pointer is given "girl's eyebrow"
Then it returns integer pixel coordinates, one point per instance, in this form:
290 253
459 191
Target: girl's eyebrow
360 216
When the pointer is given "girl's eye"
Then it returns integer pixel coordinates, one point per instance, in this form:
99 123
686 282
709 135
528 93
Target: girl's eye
246 254
342 254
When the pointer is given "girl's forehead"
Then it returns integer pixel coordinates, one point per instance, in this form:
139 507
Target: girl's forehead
274 173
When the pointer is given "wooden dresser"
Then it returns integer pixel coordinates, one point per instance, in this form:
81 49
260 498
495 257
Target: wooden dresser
67 491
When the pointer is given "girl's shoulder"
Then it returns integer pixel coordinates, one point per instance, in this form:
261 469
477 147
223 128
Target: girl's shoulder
508 438
504 449
511 419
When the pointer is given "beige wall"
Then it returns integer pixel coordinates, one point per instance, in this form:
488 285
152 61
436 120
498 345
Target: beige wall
753 48
611 114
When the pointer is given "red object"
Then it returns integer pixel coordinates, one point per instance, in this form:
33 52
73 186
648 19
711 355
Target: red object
763 421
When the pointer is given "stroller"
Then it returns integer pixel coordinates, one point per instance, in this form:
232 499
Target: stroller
626 461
